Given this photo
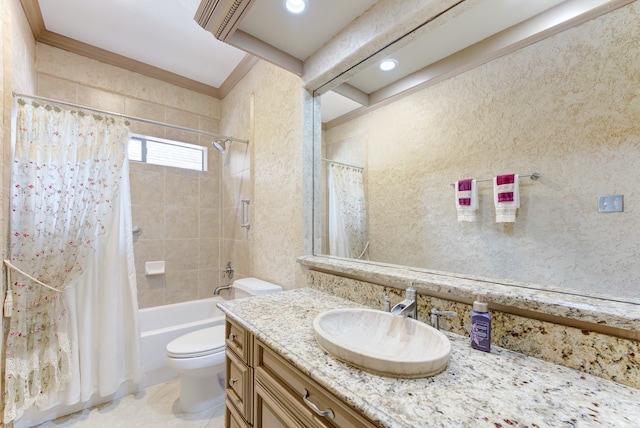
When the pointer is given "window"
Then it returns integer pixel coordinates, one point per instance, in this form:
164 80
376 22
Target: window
158 151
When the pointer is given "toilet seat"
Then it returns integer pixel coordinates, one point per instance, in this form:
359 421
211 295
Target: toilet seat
199 343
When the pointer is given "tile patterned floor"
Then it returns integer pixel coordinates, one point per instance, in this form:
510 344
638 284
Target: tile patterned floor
155 407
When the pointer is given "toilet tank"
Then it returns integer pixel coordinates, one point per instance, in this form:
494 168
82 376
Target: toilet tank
246 287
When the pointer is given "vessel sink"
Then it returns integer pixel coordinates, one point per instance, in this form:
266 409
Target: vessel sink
382 343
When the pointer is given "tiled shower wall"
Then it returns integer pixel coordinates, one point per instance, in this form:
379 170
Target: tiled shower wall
180 211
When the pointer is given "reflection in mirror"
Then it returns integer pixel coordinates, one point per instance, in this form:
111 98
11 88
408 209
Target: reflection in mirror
566 107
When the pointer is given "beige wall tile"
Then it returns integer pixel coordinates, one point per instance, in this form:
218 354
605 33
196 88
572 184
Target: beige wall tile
209 254
144 109
231 229
101 99
185 119
57 89
214 163
147 188
182 254
209 223
181 223
208 280
151 219
209 124
242 256
182 286
150 290
182 189
210 193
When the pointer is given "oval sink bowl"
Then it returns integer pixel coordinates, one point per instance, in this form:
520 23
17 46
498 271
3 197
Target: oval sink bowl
382 343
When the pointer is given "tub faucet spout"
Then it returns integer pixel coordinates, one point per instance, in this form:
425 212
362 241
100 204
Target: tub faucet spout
218 289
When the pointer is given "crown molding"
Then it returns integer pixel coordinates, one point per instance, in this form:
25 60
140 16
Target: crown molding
221 17
42 35
239 72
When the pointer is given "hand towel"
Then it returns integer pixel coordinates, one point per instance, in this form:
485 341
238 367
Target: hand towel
506 197
466 199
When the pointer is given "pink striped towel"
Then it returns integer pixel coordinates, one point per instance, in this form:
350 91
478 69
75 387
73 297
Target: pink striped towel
466 199
506 197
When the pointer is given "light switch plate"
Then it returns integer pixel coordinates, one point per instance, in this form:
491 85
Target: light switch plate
610 204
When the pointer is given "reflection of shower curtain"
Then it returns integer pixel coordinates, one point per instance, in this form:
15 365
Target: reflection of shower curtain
347 211
70 231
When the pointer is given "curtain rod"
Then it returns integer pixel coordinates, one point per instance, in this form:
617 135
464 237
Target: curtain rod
124 116
343 164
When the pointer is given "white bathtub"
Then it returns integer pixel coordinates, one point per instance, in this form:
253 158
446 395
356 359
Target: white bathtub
161 324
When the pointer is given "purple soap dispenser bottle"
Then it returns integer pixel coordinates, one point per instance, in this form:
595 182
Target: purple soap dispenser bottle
481 324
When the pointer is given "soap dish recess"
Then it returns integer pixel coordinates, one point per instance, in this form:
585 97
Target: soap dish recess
154 268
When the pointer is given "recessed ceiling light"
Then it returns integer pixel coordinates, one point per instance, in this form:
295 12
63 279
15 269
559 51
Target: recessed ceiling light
388 64
295 6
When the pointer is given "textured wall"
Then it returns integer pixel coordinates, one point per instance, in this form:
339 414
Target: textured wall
178 210
276 144
566 107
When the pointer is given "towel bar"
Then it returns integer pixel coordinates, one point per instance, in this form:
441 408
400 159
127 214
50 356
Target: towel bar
534 176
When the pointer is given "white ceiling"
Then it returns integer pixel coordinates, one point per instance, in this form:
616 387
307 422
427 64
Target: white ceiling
301 35
161 33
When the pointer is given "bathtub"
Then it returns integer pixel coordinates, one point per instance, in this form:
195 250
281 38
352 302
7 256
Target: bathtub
161 324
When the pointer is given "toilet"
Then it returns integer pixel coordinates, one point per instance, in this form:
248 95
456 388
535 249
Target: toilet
199 356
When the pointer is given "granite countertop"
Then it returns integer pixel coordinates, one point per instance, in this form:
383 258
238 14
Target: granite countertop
498 389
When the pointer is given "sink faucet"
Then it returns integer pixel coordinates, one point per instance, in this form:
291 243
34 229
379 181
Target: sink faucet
408 307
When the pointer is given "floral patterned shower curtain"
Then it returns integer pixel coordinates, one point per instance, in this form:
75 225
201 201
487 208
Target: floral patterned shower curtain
70 226
347 212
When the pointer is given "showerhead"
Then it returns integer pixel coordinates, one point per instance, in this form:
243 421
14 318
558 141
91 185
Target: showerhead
220 145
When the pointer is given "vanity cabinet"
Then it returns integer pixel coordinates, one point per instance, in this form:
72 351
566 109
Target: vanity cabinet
286 394
266 391
239 376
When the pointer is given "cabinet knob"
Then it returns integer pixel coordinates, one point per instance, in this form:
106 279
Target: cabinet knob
232 336
324 413
232 382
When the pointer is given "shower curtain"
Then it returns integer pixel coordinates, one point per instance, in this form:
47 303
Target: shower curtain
347 211
74 327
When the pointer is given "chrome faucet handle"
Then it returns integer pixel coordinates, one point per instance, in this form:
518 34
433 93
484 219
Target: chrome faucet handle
436 314
387 302
410 293
228 271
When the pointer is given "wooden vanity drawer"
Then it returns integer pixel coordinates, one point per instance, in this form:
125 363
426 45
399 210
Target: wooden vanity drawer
238 340
290 385
239 382
270 412
232 418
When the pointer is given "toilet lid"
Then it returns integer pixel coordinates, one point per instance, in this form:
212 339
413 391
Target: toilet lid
197 343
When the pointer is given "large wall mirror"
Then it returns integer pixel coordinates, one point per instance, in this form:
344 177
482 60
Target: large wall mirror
566 107
481 88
